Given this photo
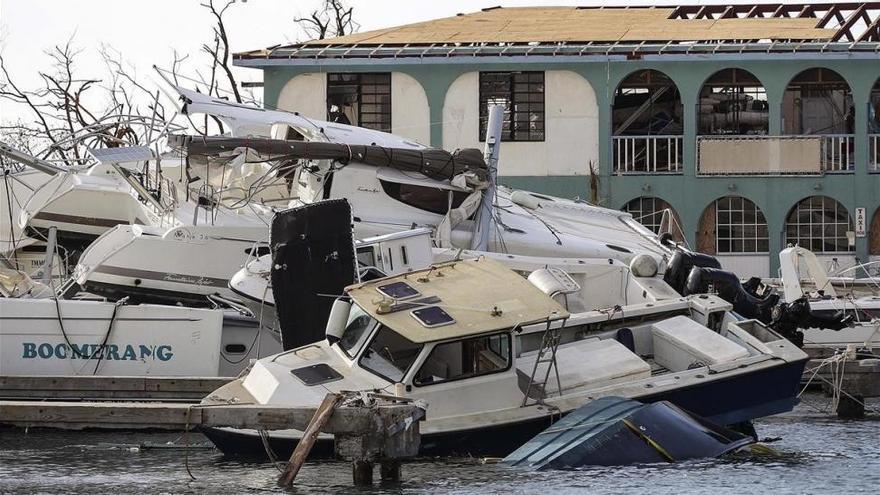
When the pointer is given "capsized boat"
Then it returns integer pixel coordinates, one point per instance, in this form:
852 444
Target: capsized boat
496 358
612 431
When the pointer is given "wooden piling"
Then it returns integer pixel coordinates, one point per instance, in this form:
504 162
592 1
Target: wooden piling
304 446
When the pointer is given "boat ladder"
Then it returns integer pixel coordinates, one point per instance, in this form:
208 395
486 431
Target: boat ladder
546 357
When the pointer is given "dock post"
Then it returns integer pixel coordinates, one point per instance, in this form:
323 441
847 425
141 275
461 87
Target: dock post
851 406
390 470
362 472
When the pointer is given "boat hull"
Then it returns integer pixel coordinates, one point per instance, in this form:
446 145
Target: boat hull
736 399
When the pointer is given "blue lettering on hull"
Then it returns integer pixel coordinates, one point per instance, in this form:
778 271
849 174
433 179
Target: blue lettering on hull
113 352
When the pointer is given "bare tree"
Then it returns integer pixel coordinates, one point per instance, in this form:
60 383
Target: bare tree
332 19
69 112
219 52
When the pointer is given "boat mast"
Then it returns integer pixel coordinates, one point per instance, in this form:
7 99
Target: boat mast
485 223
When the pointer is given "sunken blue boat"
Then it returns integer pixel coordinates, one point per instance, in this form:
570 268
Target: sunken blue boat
613 431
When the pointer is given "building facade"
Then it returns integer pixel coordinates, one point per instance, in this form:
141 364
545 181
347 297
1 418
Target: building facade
739 141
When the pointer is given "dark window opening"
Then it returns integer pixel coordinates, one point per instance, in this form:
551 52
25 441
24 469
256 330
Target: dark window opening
522 93
361 99
465 359
429 199
818 101
733 102
235 348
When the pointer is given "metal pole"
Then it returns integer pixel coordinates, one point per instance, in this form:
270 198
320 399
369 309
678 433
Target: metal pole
29 160
485 223
51 241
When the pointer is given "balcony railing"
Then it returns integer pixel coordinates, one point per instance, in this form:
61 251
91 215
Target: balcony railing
647 154
775 155
874 152
838 152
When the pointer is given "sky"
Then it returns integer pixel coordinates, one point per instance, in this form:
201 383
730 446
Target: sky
146 32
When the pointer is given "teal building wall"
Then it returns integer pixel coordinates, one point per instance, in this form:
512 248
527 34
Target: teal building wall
688 193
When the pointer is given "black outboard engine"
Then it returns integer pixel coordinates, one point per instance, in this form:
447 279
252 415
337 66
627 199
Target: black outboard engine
788 318
680 265
729 288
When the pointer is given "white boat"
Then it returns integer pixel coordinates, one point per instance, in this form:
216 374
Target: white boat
830 300
73 337
476 340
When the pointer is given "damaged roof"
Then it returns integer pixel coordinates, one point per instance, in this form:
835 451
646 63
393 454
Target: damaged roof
638 26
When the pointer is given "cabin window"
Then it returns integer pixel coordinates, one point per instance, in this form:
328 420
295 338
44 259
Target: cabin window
522 94
356 331
465 359
389 355
366 257
361 99
430 199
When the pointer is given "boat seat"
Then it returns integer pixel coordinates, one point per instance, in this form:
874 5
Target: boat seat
681 343
585 363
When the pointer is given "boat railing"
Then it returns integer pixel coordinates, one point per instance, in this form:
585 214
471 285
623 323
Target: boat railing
775 155
648 154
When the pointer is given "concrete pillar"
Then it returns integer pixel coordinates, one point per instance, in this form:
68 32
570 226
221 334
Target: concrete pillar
390 470
362 472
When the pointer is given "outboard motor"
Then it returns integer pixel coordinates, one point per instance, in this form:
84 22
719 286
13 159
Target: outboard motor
680 265
729 288
785 318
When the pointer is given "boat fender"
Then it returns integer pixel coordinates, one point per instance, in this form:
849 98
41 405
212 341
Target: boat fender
626 338
338 319
643 265
525 200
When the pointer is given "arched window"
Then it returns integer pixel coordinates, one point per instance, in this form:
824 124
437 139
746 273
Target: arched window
740 226
655 214
733 102
818 101
820 224
647 123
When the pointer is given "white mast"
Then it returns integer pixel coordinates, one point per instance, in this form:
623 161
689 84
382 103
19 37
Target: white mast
484 221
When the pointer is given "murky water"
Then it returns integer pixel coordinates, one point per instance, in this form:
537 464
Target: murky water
817 454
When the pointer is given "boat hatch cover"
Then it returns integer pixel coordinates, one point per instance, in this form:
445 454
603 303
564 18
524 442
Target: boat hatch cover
316 374
432 316
398 290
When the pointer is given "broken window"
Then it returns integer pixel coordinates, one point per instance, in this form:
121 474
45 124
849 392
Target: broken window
522 94
733 102
432 199
361 99
465 359
818 101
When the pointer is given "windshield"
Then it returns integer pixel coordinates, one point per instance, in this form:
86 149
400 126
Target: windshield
389 355
356 331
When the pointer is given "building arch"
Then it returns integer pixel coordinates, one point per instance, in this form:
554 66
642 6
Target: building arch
732 101
874 127
647 123
874 234
818 101
656 214
733 225
821 224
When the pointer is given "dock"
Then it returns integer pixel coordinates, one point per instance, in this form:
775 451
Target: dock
846 377
108 387
367 428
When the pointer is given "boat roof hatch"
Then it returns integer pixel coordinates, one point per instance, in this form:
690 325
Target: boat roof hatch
474 296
